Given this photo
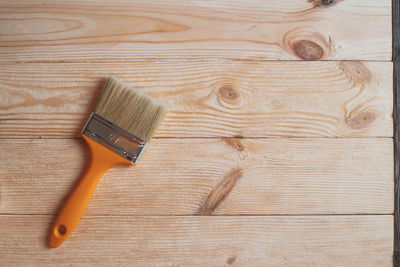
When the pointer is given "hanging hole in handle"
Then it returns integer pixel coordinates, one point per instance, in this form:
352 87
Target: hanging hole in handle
61 230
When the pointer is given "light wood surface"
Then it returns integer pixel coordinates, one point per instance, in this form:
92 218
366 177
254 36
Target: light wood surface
207 98
203 241
266 159
130 30
242 176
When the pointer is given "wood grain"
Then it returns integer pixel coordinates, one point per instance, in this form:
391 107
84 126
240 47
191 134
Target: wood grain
203 241
207 98
222 184
207 176
130 30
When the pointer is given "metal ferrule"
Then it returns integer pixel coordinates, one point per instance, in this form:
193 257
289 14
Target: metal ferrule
114 138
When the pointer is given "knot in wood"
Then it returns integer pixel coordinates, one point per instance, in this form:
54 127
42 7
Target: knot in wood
229 94
234 142
231 260
308 43
323 3
357 71
308 50
221 191
361 120
326 2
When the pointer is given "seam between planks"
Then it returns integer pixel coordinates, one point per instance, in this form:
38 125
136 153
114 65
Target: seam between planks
216 138
396 128
212 215
205 59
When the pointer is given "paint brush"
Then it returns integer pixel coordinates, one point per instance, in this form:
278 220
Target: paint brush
123 121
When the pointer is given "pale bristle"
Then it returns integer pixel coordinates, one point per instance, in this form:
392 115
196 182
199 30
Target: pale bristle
130 109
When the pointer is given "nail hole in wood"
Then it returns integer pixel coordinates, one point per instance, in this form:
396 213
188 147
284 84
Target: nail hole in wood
62 230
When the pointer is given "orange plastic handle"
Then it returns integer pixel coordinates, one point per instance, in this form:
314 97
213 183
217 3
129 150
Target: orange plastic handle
102 159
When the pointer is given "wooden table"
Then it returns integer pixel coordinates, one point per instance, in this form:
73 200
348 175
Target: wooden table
278 150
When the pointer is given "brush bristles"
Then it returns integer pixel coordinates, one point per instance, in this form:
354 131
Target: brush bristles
131 110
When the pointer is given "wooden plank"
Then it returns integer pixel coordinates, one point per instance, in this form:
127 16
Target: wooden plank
207 176
207 98
203 241
126 30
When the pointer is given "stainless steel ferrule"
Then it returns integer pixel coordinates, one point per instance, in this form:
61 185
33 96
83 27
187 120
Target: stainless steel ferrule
114 138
